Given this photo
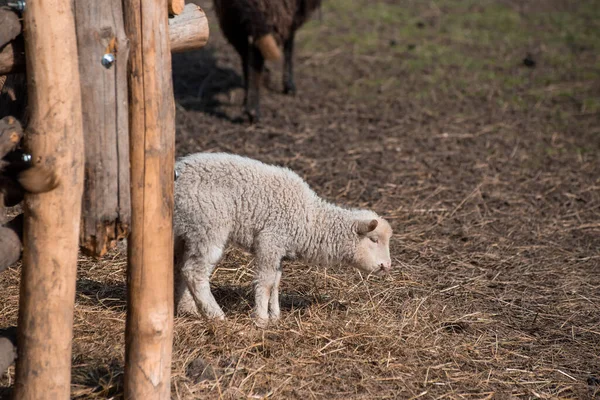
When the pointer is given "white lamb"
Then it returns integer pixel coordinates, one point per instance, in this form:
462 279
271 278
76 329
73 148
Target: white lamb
271 211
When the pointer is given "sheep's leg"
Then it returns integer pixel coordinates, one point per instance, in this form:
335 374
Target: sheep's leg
274 310
265 283
245 55
289 87
196 272
185 303
254 69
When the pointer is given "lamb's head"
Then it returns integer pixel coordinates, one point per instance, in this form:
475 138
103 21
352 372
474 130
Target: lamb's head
372 251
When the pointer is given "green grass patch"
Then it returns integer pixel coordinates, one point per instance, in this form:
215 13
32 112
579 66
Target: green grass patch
466 46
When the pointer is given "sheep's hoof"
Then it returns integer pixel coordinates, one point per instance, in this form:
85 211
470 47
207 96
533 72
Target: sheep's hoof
289 88
253 115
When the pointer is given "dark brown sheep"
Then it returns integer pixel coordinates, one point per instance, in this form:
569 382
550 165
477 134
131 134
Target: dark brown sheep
255 28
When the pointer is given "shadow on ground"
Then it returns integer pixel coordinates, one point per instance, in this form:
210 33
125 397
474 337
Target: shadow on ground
198 79
107 296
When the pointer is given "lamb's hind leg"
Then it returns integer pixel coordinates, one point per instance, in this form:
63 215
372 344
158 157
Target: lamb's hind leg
196 273
184 301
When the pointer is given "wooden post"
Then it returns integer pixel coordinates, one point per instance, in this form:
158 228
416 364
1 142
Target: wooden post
149 330
54 138
106 199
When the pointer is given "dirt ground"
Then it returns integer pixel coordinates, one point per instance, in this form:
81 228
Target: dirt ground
474 127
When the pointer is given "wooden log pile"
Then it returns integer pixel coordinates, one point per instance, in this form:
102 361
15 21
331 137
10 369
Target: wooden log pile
87 82
188 30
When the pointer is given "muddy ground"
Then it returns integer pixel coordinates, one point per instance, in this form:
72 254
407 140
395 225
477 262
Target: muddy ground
474 127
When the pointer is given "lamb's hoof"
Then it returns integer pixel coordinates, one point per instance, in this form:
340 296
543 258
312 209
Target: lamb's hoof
187 310
216 317
261 323
273 319
214 313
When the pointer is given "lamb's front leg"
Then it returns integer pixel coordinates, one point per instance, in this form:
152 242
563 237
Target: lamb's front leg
274 310
266 286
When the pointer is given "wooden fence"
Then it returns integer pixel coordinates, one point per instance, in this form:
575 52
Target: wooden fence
101 115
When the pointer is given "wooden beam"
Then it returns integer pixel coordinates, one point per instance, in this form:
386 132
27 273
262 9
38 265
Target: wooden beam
106 210
187 31
55 140
176 7
149 330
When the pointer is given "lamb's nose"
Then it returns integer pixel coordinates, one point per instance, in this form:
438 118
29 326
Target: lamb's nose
386 267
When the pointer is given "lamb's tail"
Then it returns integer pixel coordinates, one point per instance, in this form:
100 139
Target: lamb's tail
268 47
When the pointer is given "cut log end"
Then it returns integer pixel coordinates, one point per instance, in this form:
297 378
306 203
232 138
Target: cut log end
8 351
176 7
38 179
10 135
10 26
190 30
10 247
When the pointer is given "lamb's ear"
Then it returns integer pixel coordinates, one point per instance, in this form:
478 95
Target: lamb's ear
364 227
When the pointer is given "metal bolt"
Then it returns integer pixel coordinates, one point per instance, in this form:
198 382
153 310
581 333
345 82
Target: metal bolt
26 157
176 174
108 60
19 5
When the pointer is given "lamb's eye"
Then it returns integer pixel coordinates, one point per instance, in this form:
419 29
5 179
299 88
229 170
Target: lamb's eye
374 240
